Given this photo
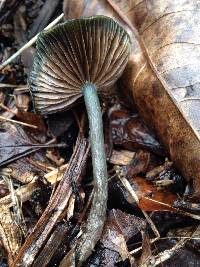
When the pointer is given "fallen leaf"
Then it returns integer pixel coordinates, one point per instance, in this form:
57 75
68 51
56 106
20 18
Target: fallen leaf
150 198
163 80
144 260
129 131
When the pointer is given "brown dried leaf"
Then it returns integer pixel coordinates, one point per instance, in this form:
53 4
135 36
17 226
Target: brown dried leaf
150 198
163 80
146 250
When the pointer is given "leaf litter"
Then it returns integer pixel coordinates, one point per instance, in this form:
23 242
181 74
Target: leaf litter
152 217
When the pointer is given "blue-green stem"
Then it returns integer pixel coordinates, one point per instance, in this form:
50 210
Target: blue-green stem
97 215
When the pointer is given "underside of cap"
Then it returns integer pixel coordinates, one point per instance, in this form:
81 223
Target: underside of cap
93 49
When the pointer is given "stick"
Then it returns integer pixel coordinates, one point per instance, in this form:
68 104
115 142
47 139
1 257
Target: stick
30 43
18 122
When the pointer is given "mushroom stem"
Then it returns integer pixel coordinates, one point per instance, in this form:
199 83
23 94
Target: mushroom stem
97 214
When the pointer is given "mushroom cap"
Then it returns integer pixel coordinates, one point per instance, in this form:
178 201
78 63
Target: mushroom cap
93 49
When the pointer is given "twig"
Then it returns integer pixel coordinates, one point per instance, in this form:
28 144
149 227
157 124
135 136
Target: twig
62 145
182 212
6 85
140 248
167 254
18 122
7 109
18 217
30 43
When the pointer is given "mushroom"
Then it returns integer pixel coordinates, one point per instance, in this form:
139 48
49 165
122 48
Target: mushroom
82 57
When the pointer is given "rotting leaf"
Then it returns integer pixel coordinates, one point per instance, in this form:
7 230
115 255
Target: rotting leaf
129 131
126 224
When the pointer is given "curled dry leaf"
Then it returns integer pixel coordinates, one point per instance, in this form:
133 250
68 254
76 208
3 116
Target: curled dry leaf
164 81
160 77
